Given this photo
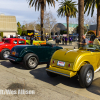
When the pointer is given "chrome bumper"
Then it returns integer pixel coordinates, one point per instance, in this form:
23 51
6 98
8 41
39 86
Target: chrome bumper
58 73
10 59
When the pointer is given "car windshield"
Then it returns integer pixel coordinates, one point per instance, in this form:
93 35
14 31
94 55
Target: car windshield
90 47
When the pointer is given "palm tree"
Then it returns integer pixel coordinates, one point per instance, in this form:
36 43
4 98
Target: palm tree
90 5
81 19
23 27
41 4
18 24
68 9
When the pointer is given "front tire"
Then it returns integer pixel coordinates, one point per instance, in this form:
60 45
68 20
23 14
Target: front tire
5 53
30 61
86 75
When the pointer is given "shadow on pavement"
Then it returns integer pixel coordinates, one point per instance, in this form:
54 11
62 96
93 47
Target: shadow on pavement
95 87
40 73
8 64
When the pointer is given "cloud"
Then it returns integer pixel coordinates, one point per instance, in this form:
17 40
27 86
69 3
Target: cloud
23 12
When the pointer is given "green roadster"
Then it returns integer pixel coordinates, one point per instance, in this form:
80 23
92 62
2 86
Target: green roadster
32 55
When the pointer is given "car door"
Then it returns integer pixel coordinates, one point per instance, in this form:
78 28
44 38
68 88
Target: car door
46 53
15 42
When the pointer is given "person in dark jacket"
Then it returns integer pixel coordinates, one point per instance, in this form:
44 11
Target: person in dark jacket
63 39
70 40
66 40
57 40
31 40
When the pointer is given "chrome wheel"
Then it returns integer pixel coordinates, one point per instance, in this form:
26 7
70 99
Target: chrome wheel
6 54
32 62
89 76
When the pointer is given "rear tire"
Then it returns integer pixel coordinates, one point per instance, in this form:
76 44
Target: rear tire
86 75
30 61
4 54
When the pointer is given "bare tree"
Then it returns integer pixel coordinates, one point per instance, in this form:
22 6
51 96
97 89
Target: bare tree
90 20
29 26
38 27
49 22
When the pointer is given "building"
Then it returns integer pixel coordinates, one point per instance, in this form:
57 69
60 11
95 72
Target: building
93 27
8 25
71 27
63 26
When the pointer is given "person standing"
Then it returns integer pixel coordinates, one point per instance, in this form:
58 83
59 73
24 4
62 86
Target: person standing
96 41
63 40
70 40
84 42
31 40
57 40
46 38
53 38
66 40
24 37
16 36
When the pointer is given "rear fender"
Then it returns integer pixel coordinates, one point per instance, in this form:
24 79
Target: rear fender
81 64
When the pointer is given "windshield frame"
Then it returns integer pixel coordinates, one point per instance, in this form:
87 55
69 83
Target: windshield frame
90 47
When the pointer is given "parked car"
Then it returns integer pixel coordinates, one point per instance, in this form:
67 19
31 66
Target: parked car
32 55
35 42
8 44
82 62
2 41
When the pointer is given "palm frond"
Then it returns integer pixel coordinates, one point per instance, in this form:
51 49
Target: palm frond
37 3
67 8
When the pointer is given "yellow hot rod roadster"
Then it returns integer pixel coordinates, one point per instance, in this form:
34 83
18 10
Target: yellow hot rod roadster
82 62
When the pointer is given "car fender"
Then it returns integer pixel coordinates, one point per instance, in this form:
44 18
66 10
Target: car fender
84 59
4 49
24 52
82 64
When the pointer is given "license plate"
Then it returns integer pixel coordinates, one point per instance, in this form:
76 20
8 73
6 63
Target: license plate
60 63
13 53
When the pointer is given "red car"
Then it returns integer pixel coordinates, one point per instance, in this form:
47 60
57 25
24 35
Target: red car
8 44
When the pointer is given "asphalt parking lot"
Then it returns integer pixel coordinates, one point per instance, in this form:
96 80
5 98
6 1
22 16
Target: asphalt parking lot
59 88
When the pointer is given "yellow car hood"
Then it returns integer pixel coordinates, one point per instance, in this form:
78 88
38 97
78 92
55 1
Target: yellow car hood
68 55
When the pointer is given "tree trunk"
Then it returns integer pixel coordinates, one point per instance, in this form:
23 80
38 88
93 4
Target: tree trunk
42 17
98 20
81 18
67 20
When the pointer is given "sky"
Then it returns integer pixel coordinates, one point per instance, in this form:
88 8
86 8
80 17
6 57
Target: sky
25 13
